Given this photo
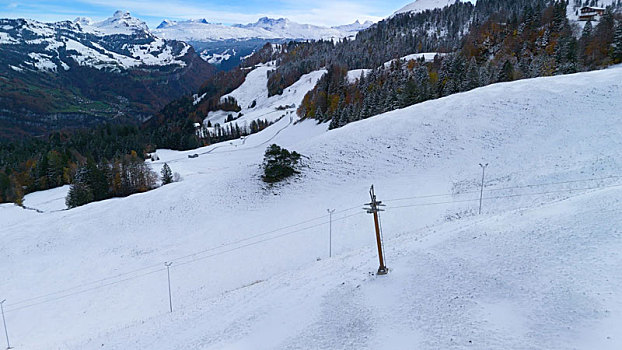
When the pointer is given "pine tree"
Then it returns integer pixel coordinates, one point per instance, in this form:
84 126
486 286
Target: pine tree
616 47
507 72
167 174
79 193
472 75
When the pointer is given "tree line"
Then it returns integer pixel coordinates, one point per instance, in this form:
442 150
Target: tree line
531 42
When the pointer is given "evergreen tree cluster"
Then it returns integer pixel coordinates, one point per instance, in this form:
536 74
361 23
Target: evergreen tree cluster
279 163
36 164
121 178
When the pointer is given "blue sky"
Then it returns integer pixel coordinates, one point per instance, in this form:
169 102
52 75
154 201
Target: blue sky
321 12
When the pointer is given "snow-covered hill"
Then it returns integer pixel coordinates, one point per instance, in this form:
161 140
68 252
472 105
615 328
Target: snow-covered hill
538 269
422 5
252 96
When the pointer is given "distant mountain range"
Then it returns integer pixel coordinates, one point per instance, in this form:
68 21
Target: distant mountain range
225 46
71 74
264 28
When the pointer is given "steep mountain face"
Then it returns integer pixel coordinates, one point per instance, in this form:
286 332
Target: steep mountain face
226 45
72 74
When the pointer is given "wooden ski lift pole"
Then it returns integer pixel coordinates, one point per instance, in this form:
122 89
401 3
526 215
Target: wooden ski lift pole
374 208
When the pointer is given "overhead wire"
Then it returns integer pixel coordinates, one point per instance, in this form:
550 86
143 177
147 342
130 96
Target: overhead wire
79 289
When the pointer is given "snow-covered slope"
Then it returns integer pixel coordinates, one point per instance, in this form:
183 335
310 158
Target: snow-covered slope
422 5
252 96
538 269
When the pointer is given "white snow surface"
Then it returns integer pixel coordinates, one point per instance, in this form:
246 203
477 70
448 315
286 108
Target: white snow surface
355 74
268 108
423 5
539 270
427 56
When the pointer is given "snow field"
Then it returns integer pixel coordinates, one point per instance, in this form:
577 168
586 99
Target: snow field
269 108
540 269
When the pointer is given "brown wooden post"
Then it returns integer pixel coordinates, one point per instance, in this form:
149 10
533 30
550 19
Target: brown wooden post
374 209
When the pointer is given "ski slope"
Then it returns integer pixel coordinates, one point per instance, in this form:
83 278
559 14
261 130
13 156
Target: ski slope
265 108
538 269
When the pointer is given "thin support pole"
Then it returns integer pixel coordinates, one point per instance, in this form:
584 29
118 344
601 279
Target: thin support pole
481 193
6 332
330 232
168 274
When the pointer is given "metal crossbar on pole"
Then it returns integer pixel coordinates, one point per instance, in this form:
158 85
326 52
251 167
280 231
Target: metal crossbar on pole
374 208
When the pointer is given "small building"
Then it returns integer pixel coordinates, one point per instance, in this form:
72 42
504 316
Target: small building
591 13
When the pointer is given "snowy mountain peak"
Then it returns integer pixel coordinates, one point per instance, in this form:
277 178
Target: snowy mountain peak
84 21
268 23
121 14
356 26
166 23
121 22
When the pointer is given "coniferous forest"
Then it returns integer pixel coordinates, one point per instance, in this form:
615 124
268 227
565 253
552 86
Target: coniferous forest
489 42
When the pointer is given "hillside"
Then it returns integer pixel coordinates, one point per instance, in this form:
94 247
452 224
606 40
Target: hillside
250 270
423 5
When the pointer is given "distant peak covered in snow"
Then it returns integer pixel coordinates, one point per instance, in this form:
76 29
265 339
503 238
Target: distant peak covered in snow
166 23
84 21
121 22
265 28
356 26
268 23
